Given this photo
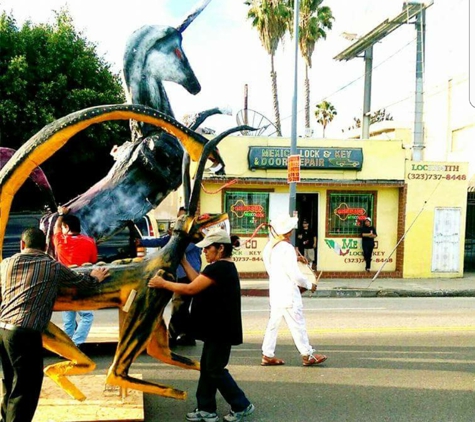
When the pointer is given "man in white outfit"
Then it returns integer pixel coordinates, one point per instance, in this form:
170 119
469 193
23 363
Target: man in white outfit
285 278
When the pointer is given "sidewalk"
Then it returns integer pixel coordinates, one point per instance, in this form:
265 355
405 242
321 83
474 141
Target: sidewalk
384 287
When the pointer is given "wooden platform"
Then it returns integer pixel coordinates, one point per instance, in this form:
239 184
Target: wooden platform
101 404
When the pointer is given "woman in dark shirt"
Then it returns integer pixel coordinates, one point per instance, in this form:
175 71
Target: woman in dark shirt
216 316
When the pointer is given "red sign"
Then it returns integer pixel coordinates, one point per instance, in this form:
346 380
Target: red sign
293 168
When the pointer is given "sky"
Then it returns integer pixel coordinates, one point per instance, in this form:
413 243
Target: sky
226 54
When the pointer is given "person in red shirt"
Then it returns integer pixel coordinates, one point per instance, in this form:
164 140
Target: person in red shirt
73 248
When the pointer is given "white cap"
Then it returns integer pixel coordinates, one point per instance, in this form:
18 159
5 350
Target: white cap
284 223
369 219
217 235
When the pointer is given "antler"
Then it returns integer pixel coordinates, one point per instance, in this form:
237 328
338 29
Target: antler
55 135
212 144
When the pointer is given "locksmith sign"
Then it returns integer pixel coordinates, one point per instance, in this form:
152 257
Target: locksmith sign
310 158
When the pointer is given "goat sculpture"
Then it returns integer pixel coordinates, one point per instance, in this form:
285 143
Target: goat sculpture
143 327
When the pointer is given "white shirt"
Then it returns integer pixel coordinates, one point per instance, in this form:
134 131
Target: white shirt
284 274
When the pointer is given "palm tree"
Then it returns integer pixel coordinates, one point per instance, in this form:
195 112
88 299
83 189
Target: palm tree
271 19
315 20
325 113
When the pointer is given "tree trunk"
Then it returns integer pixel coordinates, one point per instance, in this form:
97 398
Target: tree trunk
273 76
307 103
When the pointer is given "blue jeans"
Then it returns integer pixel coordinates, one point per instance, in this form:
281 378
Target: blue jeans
78 334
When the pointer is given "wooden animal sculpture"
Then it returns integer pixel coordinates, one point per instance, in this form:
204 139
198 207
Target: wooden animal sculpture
143 328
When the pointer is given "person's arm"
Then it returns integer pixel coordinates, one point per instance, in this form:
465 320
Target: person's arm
158 242
314 241
199 283
93 252
291 268
57 225
68 276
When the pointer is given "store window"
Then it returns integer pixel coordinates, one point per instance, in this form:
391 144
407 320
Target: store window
346 211
246 211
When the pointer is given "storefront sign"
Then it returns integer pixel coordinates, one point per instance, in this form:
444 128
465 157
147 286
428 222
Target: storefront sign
310 158
246 210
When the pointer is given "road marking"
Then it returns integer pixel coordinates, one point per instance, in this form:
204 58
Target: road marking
249 311
373 330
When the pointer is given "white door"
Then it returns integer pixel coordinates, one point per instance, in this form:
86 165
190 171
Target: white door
446 242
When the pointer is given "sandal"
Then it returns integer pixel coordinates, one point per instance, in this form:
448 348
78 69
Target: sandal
267 361
313 360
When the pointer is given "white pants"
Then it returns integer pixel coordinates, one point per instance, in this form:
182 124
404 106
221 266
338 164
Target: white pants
296 323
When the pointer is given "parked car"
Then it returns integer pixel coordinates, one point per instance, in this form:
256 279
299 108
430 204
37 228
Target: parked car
17 222
121 245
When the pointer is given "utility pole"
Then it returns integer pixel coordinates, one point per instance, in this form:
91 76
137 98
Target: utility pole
293 138
419 101
368 76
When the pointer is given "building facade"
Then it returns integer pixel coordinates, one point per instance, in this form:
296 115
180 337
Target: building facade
412 204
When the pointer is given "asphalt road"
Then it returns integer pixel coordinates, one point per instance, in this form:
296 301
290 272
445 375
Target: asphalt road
389 359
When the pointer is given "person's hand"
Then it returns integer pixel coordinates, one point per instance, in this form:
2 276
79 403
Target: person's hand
100 273
301 258
63 210
314 288
156 282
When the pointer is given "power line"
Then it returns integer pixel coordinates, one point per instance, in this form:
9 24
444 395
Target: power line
455 5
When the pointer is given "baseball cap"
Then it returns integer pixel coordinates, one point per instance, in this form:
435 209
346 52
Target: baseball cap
214 236
369 219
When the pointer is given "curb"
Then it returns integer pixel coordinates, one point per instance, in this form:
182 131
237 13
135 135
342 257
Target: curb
368 293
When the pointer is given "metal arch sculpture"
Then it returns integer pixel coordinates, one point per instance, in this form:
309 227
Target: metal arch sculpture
146 170
143 327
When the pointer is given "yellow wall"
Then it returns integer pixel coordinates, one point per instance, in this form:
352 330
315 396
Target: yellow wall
351 256
431 185
383 161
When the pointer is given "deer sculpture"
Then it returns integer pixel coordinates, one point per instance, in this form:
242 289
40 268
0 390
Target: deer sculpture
143 327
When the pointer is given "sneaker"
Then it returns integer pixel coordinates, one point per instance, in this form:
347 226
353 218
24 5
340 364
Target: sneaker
185 340
238 416
202 416
313 360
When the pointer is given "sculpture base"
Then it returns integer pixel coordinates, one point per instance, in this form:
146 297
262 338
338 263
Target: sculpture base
103 403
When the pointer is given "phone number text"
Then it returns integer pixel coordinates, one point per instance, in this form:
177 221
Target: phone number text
247 258
428 176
